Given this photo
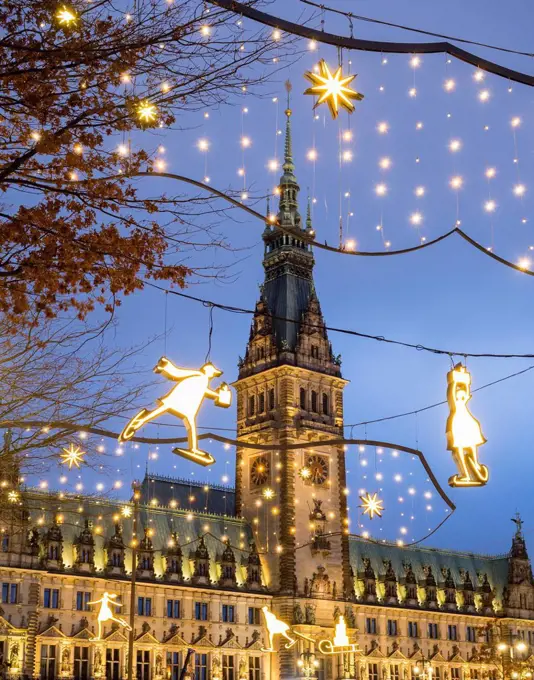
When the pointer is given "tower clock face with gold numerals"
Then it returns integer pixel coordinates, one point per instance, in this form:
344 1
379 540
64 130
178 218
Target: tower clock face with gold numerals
318 467
259 471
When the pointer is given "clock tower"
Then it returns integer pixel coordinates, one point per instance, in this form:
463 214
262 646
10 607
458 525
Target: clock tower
289 392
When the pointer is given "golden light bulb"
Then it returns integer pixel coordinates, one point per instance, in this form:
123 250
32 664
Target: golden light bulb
276 34
449 85
244 196
416 218
484 95
36 136
385 163
245 142
515 122
205 30
419 125
312 155
66 16
524 263
419 191
489 206
203 144
165 87
519 189
147 112
456 182
382 128
160 164
347 135
412 92
490 173
381 189
78 149
415 61
273 165
347 155
479 75
350 245
312 45
455 145
125 77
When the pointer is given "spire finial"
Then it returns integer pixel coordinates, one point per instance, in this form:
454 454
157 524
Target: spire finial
288 87
308 216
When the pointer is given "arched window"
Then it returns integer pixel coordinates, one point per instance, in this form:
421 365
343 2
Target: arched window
251 405
261 403
314 401
325 404
303 398
271 399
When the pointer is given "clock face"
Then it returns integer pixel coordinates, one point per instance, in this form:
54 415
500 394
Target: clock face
318 466
259 471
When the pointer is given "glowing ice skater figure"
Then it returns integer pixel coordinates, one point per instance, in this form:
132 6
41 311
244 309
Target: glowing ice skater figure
275 627
184 401
464 434
106 614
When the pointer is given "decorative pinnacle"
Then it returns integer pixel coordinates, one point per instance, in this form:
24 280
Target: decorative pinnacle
308 216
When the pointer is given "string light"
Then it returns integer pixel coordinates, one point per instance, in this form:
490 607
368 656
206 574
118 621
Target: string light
122 150
415 62
147 113
347 135
412 92
66 16
484 95
347 155
456 182
383 128
419 125
490 173
203 144
449 85
419 191
205 30
515 122
416 218
381 189
312 45
276 35
312 155
385 163
519 189
455 145
245 142
479 75
489 206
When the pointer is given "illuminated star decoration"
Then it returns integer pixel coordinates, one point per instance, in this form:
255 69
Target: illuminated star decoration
66 16
305 472
13 496
332 88
372 505
73 455
147 113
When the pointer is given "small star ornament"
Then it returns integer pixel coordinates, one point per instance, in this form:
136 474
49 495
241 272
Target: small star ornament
372 505
332 88
72 455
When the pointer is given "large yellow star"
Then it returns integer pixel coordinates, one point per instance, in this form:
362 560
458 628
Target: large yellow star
332 88
372 505
73 455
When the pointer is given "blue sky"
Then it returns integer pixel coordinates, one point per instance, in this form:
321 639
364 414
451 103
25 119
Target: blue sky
449 296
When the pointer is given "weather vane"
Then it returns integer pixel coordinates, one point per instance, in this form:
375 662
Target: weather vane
184 401
464 434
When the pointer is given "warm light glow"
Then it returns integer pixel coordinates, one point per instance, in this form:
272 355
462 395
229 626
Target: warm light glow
203 144
385 163
276 626
106 613
382 128
184 401
350 245
489 206
519 189
205 30
312 45
515 122
273 165
419 125
305 472
502 646
449 85
456 182
346 136
479 75
160 164
412 92
419 191
372 505
147 112
416 218
484 95
415 61
524 263
312 155
463 431
277 35
332 88
381 189
122 150
340 644
245 142
521 646
347 155
13 496
455 145
490 173
72 455
66 16
165 87
268 494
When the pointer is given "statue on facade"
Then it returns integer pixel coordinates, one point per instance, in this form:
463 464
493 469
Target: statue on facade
310 614
298 616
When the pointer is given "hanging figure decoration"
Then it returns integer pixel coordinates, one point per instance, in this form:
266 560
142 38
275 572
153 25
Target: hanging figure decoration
106 613
464 434
184 401
275 627
332 88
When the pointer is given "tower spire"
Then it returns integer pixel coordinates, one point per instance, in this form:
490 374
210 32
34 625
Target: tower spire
288 166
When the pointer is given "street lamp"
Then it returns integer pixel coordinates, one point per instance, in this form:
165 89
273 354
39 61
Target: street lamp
308 665
425 671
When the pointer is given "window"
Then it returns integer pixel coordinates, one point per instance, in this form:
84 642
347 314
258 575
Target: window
433 632
492 674
5 543
81 663
82 601
228 666
9 593
413 629
453 634
314 401
395 671
320 669
48 662
522 601
470 634
228 613
474 674
201 667
415 673
51 598
251 405
392 627
144 606
173 609
325 404
113 664
201 611
437 673
315 351
370 626
271 399
261 403
116 559
530 634
302 398
254 668
143 664
254 616
455 672
372 671
174 665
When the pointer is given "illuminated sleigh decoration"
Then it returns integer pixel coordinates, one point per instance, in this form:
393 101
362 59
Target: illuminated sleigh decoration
341 643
